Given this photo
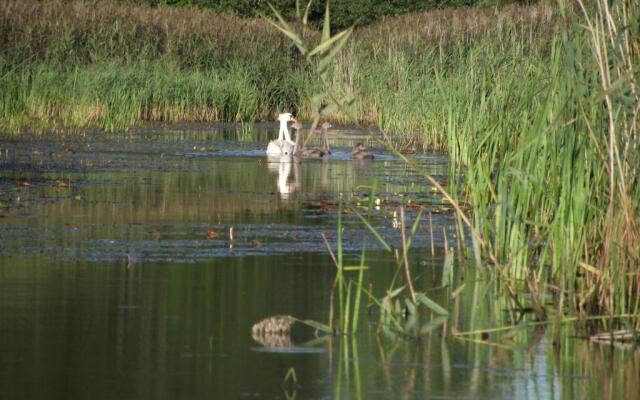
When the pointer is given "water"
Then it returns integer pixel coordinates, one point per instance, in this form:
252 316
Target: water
133 266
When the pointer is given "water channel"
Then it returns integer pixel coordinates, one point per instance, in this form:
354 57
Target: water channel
133 265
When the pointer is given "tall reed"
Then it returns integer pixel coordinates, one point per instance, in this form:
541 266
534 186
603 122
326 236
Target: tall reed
393 84
548 151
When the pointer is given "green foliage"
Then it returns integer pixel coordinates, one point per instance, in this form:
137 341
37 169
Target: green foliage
391 66
116 96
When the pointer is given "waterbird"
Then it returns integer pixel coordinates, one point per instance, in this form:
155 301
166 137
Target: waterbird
283 146
325 137
300 151
360 152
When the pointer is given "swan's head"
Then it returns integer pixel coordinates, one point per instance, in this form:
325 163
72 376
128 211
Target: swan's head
326 126
286 117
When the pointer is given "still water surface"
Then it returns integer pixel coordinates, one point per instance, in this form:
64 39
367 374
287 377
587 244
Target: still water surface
133 266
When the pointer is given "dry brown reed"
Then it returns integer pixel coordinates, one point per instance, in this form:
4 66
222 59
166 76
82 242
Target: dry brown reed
442 26
83 32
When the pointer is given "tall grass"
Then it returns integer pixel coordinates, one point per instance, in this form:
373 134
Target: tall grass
76 64
394 84
548 151
543 126
113 95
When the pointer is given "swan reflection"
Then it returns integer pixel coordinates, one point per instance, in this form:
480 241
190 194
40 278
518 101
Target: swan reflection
283 165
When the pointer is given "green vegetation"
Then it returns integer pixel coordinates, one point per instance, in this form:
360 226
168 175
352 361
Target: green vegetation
550 160
548 149
537 107
76 64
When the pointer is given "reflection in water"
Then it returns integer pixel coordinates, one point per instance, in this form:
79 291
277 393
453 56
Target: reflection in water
272 340
273 331
122 285
361 165
282 165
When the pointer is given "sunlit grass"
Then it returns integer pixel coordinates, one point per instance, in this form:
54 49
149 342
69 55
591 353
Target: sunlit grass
391 68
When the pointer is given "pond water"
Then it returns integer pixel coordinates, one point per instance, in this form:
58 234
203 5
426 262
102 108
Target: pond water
133 266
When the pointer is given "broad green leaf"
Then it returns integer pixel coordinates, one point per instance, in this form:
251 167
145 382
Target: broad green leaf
328 109
326 44
326 27
305 18
326 60
410 306
430 326
432 305
286 29
394 293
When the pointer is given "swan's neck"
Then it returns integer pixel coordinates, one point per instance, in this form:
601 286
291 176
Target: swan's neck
325 140
284 131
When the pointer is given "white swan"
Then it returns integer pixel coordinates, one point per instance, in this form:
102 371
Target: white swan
283 146
281 165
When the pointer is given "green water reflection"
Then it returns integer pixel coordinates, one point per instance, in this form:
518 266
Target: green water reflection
125 282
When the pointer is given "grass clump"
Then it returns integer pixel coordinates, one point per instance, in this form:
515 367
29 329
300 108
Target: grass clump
77 64
394 84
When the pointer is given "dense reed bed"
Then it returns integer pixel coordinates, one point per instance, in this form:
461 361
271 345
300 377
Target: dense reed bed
391 69
549 153
543 126
76 64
